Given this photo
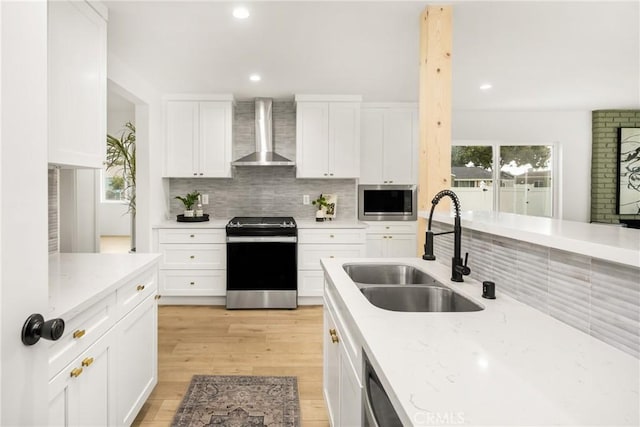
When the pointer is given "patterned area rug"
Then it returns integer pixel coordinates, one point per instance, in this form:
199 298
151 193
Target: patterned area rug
239 401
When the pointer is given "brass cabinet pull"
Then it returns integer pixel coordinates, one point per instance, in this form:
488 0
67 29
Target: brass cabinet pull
79 333
140 288
387 227
88 361
192 283
75 373
192 256
158 296
391 237
331 256
334 339
192 235
332 331
331 235
384 237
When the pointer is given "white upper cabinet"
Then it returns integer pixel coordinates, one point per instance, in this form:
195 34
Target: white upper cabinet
198 137
77 82
389 140
327 136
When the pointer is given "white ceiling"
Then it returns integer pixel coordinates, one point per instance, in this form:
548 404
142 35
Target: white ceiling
537 55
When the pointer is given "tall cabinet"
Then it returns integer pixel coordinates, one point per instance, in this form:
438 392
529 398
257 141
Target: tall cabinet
77 83
199 136
327 136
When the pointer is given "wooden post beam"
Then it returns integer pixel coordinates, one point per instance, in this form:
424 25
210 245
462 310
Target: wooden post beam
434 110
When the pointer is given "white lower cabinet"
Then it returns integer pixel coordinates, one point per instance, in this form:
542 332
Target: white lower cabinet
317 243
390 239
104 366
342 386
194 261
137 339
80 395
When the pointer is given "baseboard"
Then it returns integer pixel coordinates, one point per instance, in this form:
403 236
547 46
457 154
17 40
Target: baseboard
187 300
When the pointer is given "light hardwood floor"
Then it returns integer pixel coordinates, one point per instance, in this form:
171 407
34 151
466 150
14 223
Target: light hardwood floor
215 341
115 244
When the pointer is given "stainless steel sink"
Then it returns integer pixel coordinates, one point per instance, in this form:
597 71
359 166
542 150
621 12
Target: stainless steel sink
418 298
388 274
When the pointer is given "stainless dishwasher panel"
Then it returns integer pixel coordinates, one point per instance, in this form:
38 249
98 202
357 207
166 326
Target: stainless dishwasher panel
377 408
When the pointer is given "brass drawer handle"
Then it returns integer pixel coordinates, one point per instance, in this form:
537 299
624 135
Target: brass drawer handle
387 227
75 373
88 361
331 256
391 237
140 288
79 333
334 339
192 235
158 297
192 283
331 236
192 256
332 331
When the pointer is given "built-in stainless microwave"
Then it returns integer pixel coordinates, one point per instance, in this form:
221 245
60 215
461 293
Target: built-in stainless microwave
387 203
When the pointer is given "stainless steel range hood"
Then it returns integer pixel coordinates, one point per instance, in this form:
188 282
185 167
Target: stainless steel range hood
264 154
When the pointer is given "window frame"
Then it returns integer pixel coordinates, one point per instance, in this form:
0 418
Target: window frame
556 173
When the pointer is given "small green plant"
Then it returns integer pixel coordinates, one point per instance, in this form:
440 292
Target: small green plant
320 201
189 200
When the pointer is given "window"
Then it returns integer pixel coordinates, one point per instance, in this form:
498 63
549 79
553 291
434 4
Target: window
114 186
525 182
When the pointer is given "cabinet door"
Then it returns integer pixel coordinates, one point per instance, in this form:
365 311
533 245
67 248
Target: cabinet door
312 140
182 139
401 245
331 371
344 139
215 139
350 393
137 359
376 245
371 146
82 394
310 283
399 144
77 58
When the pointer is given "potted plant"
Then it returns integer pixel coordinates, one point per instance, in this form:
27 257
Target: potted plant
189 200
322 204
121 157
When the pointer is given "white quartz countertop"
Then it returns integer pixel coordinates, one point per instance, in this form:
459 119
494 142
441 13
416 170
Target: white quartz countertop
507 365
302 223
77 280
607 242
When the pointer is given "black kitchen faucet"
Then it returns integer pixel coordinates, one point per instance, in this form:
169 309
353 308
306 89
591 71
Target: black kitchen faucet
458 269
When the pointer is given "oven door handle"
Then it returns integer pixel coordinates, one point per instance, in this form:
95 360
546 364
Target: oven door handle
262 239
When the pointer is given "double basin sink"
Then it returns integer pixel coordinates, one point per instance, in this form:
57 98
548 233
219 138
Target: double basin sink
398 287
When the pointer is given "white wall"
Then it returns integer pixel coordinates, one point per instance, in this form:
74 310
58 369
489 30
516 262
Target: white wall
571 130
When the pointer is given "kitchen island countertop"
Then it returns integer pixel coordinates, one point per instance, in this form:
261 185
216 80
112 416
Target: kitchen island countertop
604 241
508 364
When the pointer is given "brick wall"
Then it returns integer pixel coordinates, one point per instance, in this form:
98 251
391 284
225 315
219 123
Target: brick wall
604 166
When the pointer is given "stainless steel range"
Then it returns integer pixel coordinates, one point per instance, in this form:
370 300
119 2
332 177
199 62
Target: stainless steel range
262 262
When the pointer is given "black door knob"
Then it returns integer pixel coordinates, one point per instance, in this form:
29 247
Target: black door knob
35 328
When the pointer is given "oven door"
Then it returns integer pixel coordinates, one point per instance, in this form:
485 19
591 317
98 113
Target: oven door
262 263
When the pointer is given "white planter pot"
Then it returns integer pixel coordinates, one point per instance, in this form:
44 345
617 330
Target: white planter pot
320 215
188 214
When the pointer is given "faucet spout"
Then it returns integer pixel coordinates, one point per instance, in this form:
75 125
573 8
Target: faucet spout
458 269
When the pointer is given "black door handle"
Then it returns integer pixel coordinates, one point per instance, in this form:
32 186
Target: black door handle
35 328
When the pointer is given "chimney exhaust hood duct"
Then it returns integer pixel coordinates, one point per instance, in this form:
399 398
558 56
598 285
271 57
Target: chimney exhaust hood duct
264 154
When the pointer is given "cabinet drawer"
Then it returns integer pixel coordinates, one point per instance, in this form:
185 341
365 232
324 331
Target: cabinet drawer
196 282
80 332
135 291
309 255
409 227
196 256
331 235
177 235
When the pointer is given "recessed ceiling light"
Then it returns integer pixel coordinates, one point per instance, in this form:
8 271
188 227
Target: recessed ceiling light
255 77
241 12
486 86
